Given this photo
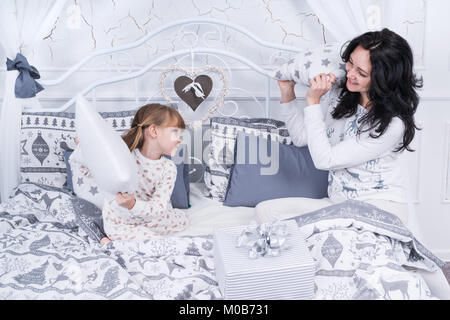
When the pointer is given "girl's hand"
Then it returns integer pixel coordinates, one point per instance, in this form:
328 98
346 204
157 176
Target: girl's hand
104 240
319 85
287 90
76 140
126 200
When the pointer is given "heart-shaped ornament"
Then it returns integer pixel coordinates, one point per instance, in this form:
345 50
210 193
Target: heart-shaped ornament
193 92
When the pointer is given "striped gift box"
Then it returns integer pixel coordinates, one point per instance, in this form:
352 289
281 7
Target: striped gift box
287 276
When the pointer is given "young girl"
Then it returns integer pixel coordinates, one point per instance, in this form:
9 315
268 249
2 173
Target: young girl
367 123
148 212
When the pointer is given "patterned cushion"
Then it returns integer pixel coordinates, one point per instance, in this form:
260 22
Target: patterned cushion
223 138
60 208
198 142
83 181
88 217
311 62
44 138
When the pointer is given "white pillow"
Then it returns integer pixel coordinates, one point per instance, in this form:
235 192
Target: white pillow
46 135
83 182
311 62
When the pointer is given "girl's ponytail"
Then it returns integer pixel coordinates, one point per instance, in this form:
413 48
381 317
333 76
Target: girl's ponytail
138 138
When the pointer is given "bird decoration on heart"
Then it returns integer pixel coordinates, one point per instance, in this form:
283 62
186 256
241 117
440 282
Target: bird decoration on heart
193 87
193 92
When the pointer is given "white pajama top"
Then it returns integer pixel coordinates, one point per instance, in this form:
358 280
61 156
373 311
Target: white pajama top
360 167
152 214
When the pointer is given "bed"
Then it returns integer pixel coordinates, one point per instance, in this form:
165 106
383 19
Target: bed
49 246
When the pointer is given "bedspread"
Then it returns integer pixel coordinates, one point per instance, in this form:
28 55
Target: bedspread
361 252
44 255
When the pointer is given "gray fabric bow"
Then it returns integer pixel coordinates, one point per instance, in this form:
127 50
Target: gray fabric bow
26 86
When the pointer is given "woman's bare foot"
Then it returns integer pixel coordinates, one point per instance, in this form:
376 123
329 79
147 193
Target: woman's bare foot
104 240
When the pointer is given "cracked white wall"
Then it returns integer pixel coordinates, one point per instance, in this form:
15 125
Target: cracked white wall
106 23
102 24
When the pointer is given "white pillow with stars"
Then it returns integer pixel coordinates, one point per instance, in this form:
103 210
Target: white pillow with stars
84 185
311 62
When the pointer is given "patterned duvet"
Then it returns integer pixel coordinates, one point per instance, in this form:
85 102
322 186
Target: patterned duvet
49 250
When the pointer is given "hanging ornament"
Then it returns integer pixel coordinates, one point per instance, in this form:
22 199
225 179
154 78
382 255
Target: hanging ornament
193 88
40 148
193 92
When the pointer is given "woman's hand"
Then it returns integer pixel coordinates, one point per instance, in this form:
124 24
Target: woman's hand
287 90
126 200
319 85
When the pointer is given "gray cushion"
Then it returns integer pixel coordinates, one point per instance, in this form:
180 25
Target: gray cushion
224 131
180 194
68 185
296 176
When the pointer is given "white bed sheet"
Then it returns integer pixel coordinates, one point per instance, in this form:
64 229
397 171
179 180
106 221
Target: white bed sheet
206 214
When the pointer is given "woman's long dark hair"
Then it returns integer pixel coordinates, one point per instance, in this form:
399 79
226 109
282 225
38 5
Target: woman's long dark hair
392 85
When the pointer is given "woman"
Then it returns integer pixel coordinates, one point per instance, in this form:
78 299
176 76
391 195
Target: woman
368 123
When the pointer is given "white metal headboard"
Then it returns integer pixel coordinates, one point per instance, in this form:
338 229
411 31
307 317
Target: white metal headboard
190 51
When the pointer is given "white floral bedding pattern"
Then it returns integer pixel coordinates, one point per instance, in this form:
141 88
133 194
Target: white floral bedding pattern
46 253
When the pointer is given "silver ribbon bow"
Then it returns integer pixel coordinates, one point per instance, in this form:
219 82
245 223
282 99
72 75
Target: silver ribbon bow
197 89
264 239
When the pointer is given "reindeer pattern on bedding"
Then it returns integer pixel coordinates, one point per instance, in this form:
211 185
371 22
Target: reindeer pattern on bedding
46 253
362 252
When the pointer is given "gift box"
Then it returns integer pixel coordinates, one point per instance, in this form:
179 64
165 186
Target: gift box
289 275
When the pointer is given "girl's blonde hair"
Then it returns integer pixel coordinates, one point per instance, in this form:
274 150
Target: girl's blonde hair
151 114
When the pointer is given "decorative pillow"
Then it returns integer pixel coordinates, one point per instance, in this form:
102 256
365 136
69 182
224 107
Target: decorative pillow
83 181
66 155
88 217
223 137
289 173
61 208
180 194
70 211
45 136
198 142
311 62
86 188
